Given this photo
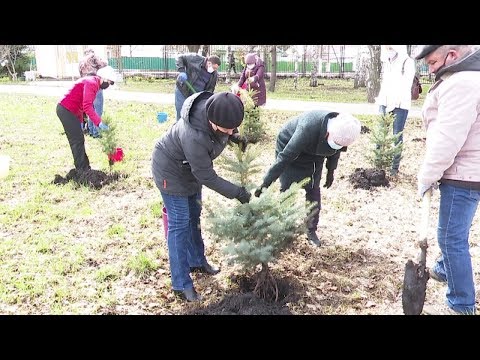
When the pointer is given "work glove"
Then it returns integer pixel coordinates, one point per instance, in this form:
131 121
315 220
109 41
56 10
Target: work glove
251 79
102 126
235 88
243 196
329 180
240 140
259 190
422 188
182 77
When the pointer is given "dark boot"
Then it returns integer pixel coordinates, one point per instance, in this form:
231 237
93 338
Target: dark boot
313 238
187 294
206 269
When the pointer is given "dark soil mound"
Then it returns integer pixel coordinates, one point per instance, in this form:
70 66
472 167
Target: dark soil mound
419 139
368 178
247 303
95 179
243 304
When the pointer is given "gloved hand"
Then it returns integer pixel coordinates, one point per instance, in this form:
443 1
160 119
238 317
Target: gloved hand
422 189
259 190
243 196
242 141
251 79
235 88
102 126
329 180
182 76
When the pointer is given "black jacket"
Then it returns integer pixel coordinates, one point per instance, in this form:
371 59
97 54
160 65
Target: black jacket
182 160
192 64
302 141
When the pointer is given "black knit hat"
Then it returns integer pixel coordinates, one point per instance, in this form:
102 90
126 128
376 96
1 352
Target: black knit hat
225 109
427 49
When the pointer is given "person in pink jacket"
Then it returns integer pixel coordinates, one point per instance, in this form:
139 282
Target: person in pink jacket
78 100
451 116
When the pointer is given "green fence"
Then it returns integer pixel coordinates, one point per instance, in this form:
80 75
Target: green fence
161 64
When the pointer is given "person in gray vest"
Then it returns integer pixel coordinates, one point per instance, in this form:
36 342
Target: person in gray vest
303 144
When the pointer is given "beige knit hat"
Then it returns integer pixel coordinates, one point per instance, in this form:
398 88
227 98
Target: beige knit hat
344 129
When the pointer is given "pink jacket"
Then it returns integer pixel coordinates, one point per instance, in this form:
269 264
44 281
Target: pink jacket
79 99
451 115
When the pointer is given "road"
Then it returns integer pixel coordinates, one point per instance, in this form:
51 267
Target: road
58 88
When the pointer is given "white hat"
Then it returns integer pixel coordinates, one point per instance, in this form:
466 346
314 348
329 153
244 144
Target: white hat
344 129
107 73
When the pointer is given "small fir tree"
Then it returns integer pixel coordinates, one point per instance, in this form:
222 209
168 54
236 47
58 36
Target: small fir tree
252 126
109 142
257 232
385 143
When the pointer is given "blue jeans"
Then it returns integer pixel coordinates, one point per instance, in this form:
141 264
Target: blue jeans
184 239
400 118
179 100
98 106
457 210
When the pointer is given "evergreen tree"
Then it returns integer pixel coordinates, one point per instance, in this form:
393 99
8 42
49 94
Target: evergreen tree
109 142
257 232
385 143
252 126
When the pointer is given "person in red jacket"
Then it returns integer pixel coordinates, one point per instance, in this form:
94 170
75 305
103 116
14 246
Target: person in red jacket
78 100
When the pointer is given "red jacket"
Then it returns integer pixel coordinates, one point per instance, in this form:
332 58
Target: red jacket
79 99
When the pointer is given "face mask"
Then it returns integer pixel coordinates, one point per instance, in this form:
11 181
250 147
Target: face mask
333 145
210 69
104 85
444 64
391 54
250 66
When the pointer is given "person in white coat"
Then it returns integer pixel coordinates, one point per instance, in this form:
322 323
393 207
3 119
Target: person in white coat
395 90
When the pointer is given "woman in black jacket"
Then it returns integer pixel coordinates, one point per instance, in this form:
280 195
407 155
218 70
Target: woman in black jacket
182 162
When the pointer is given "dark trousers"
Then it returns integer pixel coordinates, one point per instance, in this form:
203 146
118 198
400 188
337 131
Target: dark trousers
75 137
295 173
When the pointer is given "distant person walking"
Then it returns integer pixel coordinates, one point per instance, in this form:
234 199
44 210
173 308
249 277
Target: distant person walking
231 62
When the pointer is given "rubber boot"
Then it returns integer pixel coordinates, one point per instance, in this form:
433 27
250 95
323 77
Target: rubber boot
313 238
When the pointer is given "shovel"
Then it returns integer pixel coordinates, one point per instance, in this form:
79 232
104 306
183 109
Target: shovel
190 86
416 275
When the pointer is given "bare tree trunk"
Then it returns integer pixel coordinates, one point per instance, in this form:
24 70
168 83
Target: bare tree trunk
374 72
313 76
206 50
363 57
273 76
227 75
193 48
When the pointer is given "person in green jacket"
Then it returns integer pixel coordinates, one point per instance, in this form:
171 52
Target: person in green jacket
302 145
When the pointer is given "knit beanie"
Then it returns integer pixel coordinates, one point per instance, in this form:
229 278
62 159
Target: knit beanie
225 109
250 58
344 129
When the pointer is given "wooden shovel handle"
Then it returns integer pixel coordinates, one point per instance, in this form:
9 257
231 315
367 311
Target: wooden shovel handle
425 214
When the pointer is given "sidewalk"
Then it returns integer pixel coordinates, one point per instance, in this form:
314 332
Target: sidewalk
58 88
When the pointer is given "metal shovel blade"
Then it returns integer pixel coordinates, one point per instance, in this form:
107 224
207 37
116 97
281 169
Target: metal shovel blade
416 274
415 284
